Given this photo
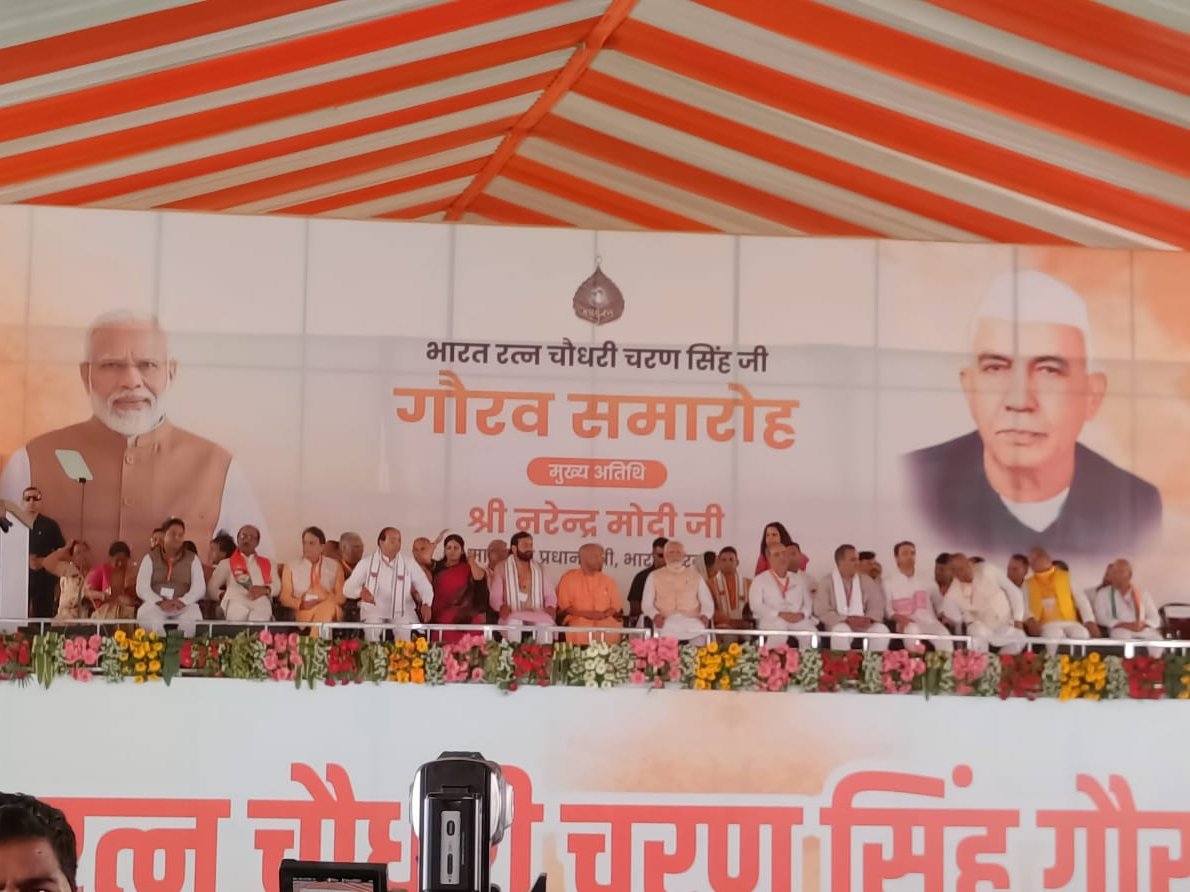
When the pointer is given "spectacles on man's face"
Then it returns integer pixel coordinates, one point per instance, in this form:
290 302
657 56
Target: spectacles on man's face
32 498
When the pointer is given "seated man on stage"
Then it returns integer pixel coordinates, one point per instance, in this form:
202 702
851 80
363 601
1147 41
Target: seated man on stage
913 599
1057 608
847 601
520 591
990 606
312 587
244 581
1124 610
780 598
729 588
170 583
677 599
589 597
391 590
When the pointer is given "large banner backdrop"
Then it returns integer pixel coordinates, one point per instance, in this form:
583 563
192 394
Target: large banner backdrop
607 386
208 785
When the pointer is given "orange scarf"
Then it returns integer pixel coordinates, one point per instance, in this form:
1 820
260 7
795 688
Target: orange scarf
239 568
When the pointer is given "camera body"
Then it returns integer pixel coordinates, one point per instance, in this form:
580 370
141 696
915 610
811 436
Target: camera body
460 807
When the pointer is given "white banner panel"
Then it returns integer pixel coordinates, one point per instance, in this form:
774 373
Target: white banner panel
207 784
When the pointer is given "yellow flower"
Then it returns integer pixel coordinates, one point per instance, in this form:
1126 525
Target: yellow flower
699 684
1094 657
120 636
713 647
418 676
422 645
154 665
139 634
140 679
418 662
733 649
124 657
140 667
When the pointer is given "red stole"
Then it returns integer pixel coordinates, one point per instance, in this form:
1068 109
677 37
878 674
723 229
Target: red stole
239 569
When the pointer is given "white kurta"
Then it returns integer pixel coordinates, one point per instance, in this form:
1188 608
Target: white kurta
392 584
686 628
917 597
771 596
1113 607
152 617
237 605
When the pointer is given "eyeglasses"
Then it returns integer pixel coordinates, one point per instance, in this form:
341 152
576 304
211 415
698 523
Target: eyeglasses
32 498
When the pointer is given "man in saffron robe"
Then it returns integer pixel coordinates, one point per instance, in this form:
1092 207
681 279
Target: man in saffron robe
589 597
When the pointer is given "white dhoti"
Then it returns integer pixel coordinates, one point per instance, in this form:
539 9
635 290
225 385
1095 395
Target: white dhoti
1065 629
1008 639
805 630
927 625
153 618
874 644
1142 635
381 615
532 618
684 628
238 609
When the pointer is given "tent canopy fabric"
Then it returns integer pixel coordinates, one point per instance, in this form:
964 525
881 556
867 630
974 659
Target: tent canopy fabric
1030 121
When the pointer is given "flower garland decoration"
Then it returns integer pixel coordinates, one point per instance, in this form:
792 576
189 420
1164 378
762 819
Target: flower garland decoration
204 656
1144 677
777 667
16 658
1085 677
871 673
464 661
595 665
656 661
724 665
902 669
141 654
80 656
406 661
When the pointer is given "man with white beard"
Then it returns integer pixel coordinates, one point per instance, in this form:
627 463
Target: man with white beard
145 468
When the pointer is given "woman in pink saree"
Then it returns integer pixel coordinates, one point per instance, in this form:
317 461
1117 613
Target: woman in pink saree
460 589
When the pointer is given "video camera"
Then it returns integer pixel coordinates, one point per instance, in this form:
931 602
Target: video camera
460 807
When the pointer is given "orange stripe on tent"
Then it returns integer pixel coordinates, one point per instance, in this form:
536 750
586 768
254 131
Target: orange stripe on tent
572 188
693 179
616 12
386 189
1110 37
319 174
1055 185
500 211
250 154
199 78
137 140
138 33
791 156
415 211
1030 99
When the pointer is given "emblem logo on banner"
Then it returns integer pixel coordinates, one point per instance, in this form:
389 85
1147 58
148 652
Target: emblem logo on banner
598 299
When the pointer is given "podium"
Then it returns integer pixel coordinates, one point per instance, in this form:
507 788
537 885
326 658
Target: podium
14 575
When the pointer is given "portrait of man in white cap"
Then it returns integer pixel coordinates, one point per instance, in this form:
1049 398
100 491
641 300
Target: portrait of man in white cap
1021 478
145 468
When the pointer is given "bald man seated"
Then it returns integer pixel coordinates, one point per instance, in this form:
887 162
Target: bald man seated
589 597
1032 385
245 583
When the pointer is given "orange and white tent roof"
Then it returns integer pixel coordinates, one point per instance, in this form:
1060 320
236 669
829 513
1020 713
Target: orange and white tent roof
1054 121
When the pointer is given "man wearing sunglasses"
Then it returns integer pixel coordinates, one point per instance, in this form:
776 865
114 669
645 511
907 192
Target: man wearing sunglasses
45 537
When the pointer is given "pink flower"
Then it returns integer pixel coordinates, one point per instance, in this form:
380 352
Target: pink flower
81 674
764 669
293 640
477 674
637 677
266 637
791 660
69 652
280 643
283 674
775 683
675 673
270 661
90 657
94 642
295 660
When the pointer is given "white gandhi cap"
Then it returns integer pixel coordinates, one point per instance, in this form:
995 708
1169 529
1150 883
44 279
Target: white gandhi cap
1032 296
